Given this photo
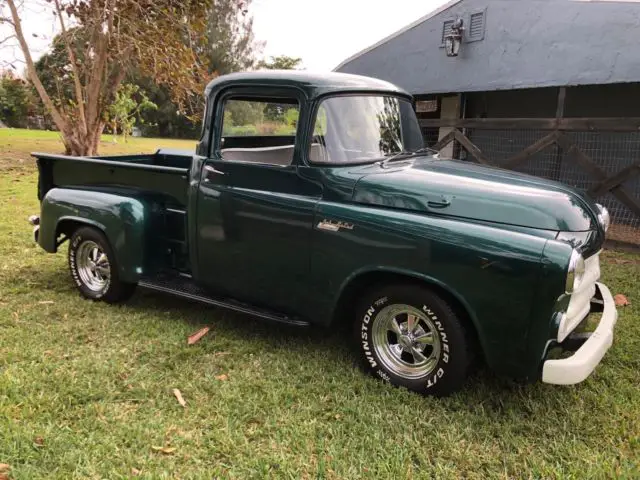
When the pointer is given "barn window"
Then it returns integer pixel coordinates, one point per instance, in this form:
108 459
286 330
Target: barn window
475 27
446 29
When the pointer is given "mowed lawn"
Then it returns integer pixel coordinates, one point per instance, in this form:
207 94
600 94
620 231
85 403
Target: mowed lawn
17 144
86 388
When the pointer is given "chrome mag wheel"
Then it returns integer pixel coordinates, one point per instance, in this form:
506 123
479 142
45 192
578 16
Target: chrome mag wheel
93 266
406 341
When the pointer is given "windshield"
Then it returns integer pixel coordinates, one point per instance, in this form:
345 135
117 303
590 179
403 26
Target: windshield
361 128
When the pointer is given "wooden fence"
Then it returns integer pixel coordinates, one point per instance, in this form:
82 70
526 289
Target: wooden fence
554 131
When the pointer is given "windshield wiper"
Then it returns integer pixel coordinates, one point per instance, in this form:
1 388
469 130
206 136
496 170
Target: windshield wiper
425 150
406 153
396 156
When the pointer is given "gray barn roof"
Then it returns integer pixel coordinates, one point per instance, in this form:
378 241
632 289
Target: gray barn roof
527 43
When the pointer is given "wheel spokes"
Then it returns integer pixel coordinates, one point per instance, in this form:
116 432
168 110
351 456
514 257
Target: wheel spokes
397 348
418 356
93 266
104 271
425 338
406 341
102 260
395 327
412 322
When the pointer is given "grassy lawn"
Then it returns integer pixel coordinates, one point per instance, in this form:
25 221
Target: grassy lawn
16 145
86 388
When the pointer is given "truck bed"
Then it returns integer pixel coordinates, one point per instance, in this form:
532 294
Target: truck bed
163 174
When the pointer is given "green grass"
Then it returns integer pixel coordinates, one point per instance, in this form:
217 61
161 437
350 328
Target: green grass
86 390
16 145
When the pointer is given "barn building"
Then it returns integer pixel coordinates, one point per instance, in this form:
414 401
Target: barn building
547 87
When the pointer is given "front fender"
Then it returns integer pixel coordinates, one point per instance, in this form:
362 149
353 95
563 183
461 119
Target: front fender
492 272
420 277
123 220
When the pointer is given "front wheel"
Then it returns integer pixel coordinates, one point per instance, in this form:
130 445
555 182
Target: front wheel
94 269
411 337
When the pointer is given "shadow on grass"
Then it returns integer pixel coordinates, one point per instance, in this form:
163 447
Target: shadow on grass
484 391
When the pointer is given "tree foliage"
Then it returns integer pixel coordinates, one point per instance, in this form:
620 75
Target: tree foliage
16 101
246 117
129 103
281 62
168 48
231 45
166 120
160 38
227 45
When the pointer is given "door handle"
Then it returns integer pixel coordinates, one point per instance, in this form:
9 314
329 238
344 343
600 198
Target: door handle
441 202
208 169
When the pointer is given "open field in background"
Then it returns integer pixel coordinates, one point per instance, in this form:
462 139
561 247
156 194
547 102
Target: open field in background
86 388
16 145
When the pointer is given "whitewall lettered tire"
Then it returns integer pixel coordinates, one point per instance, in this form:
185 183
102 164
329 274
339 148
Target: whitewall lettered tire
94 268
409 336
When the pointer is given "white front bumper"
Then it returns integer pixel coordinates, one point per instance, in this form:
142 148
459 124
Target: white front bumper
579 366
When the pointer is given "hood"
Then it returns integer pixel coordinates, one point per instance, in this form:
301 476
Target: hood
472 191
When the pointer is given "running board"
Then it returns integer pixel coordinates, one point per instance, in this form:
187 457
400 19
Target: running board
183 288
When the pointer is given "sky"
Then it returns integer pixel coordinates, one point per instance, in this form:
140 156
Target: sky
323 33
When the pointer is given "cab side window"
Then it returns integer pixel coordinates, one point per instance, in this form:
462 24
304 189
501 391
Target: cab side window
259 130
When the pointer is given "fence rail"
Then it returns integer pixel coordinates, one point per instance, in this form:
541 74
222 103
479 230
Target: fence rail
612 124
599 155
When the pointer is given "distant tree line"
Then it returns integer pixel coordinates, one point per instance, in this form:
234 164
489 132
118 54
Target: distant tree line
18 103
116 64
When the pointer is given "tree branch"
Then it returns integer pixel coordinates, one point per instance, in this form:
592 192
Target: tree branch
4 40
33 74
74 68
6 20
97 75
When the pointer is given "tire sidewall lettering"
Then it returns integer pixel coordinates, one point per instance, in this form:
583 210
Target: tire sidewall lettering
73 266
73 261
371 360
439 372
365 335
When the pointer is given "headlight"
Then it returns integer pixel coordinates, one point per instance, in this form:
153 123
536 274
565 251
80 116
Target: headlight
575 272
603 217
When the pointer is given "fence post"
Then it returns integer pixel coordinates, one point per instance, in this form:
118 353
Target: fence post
557 168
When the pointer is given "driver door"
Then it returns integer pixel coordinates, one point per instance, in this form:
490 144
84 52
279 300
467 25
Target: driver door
255 213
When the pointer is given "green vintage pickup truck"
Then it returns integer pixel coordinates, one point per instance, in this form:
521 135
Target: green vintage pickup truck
310 199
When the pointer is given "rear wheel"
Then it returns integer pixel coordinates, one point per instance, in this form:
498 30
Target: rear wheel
94 268
411 337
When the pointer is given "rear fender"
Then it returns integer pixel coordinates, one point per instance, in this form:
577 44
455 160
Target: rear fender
124 220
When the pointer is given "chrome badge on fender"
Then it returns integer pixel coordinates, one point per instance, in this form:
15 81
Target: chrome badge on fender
332 226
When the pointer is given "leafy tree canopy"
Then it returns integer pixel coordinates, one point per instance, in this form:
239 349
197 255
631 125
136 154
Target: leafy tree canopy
16 101
281 62
160 38
224 43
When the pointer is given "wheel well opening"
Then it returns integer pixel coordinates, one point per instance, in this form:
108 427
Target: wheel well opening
346 307
65 229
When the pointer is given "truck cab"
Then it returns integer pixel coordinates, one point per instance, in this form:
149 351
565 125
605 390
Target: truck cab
311 199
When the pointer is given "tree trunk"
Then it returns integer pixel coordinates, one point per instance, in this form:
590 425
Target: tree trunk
77 148
83 145
80 134
95 137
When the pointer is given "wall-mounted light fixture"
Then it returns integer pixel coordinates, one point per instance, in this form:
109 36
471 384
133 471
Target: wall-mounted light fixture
453 40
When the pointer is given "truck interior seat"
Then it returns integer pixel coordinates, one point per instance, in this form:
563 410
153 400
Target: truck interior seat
318 153
279 155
